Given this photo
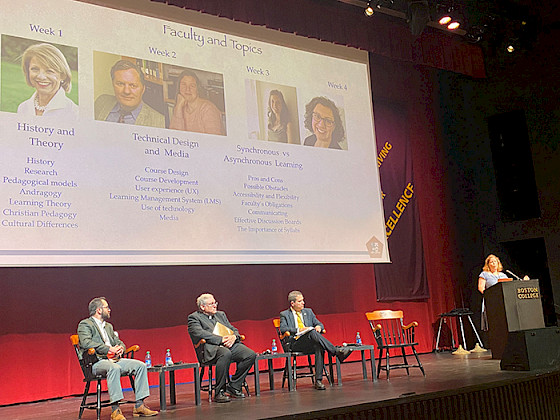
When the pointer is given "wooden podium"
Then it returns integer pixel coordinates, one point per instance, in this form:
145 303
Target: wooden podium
512 306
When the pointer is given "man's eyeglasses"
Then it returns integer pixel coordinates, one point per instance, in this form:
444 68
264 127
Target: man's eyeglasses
212 304
318 118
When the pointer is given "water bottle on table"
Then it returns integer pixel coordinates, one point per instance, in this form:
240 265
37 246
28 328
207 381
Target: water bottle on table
168 359
148 360
274 348
358 339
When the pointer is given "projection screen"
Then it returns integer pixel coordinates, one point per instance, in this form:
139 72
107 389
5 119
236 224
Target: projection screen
181 138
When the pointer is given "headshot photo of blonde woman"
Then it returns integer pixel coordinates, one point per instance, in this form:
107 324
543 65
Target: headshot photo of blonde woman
42 83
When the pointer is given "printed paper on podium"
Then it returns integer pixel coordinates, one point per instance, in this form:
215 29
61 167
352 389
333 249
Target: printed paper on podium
221 330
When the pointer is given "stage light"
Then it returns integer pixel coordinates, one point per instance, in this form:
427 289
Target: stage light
475 33
474 38
453 25
418 15
383 3
513 44
444 14
368 10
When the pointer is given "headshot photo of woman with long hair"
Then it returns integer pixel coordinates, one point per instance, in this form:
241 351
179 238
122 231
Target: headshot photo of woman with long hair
280 127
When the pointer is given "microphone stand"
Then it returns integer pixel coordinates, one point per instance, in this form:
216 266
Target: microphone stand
514 275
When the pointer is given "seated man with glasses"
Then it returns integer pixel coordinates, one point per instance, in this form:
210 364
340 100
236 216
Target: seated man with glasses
223 346
94 332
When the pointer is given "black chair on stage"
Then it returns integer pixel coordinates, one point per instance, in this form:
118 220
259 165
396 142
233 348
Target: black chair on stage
390 332
199 349
304 371
87 360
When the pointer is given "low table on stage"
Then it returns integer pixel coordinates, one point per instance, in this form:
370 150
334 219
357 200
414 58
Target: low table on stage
171 370
361 348
269 358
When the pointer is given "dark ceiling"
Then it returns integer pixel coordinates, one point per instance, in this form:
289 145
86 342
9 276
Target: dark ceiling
493 22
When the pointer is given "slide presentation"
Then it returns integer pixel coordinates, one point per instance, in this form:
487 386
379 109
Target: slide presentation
136 140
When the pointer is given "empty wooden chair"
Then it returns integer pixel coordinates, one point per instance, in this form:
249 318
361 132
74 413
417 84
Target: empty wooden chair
390 332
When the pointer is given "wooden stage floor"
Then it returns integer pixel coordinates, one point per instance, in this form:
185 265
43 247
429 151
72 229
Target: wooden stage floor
444 373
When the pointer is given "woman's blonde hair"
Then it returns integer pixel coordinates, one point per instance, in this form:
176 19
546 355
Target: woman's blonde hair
51 57
486 268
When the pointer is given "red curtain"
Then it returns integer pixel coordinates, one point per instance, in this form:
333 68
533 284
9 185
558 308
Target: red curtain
41 366
41 307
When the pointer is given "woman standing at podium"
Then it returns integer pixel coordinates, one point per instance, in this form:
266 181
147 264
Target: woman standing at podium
491 272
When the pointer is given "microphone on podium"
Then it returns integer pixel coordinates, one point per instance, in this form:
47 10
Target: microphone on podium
514 275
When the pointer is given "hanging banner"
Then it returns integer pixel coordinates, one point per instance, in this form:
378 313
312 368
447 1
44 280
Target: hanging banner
405 278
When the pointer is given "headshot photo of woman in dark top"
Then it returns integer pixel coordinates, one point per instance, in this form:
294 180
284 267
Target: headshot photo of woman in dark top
279 122
322 118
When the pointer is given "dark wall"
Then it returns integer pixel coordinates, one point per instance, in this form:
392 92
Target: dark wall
529 84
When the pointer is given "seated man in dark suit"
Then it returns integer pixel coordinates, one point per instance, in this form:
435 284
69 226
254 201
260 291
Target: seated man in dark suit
298 319
222 346
95 332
